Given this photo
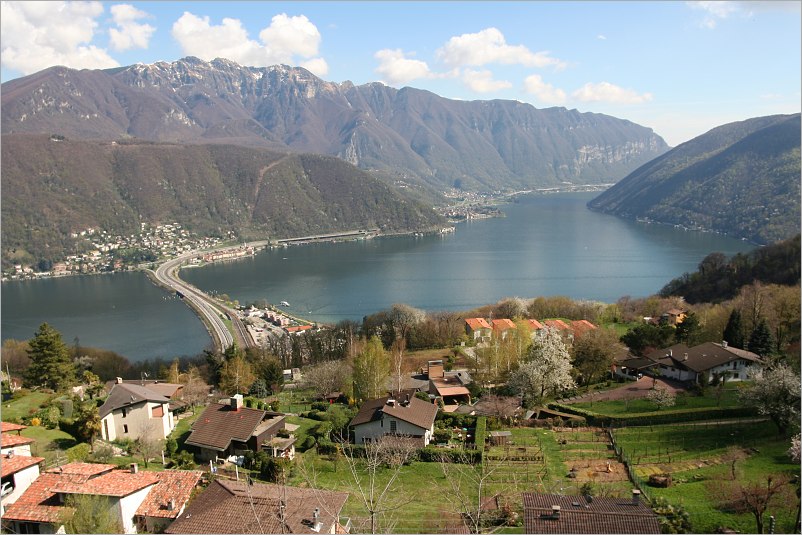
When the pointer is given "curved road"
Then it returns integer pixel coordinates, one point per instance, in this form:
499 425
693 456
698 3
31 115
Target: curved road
207 308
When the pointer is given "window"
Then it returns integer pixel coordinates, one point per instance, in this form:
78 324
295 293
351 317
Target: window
125 428
125 412
733 364
157 412
392 426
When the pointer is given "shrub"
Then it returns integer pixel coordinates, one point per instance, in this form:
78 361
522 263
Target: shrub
326 447
104 453
36 422
320 406
78 454
433 455
654 418
170 446
184 460
480 434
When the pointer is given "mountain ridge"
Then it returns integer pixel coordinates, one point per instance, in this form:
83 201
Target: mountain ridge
740 179
404 135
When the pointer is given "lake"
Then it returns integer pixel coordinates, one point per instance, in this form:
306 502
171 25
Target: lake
546 245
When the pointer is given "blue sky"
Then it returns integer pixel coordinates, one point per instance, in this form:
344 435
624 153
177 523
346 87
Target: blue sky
680 68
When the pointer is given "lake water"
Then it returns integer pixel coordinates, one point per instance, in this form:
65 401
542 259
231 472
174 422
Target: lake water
546 245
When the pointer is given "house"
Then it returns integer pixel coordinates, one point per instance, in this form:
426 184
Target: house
19 468
225 429
673 316
580 327
411 417
141 500
536 327
449 386
478 329
12 441
172 391
133 411
709 359
502 328
555 513
241 507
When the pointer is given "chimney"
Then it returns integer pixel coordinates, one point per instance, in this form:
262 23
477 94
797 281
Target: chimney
635 496
670 353
171 505
724 344
236 402
134 468
391 402
119 380
316 514
685 357
555 511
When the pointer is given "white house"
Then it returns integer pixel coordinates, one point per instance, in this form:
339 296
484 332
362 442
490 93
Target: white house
14 443
709 359
140 501
410 417
132 411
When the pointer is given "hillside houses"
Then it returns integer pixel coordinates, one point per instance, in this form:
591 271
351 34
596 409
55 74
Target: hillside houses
479 330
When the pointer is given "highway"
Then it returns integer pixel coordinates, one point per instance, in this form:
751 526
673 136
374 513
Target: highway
210 311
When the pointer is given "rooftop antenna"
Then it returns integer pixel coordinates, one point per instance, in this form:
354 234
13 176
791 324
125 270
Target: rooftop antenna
142 376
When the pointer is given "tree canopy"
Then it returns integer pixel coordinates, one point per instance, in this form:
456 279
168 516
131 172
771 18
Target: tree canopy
51 365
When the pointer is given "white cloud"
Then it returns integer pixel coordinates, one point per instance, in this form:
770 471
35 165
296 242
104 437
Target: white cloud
395 68
601 37
718 10
482 81
490 46
544 92
287 40
129 33
607 92
37 35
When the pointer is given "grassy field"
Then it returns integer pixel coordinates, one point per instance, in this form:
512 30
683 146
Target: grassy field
50 443
729 398
699 458
24 406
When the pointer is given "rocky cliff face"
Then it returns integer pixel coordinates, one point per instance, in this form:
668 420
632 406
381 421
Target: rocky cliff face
405 134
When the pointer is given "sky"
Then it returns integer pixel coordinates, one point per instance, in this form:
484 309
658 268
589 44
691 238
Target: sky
680 68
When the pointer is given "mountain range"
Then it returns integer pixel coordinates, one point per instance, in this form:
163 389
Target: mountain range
740 179
406 136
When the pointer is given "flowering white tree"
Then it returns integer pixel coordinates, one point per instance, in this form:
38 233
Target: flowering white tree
661 397
776 393
794 450
546 369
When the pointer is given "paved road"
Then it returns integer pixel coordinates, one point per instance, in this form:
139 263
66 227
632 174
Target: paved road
209 310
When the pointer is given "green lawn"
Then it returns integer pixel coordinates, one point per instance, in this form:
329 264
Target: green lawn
24 406
700 490
729 398
50 443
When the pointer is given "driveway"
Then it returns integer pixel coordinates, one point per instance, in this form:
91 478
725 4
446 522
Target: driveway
631 390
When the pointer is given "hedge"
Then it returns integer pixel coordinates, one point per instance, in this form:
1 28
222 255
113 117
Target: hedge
657 417
431 454
480 434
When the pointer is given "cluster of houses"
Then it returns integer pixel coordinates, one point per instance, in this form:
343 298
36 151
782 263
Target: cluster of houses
229 254
481 330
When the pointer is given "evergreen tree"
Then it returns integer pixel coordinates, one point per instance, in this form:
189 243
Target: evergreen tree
687 330
734 331
761 341
51 365
371 370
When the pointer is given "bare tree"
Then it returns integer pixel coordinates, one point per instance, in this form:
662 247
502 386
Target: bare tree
750 496
327 377
374 469
195 391
151 441
468 483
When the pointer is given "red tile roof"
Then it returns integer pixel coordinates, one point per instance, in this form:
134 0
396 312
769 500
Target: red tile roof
220 424
38 503
577 515
503 324
299 328
557 324
117 483
8 426
16 463
86 470
535 325
582 326
9 441
477 323
176 485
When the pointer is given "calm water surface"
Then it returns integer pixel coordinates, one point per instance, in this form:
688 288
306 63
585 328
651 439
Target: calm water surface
547 245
